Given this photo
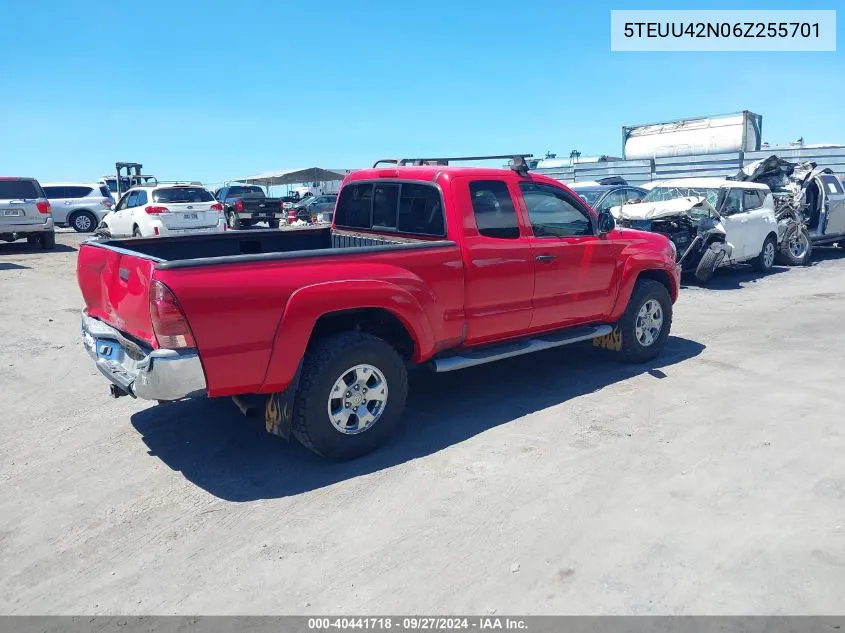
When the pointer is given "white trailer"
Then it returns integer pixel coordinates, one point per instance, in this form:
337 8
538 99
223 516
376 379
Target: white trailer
737 132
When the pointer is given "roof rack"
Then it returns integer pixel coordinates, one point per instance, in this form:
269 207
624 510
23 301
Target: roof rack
517 161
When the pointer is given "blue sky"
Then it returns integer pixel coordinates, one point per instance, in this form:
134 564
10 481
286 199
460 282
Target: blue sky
217 90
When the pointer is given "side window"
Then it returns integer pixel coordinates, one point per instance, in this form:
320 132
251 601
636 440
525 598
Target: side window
831 183
78 192
752 199
552 214
54 193
104 191
142 199
732 203
633 194
132 200
385 206
613 199
420 210
495 215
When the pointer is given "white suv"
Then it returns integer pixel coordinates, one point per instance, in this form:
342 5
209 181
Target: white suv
164 210
79 205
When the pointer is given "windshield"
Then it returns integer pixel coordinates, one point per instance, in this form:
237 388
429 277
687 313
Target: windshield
659 194
590 197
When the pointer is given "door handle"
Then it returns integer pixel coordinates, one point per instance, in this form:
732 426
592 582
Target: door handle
545 258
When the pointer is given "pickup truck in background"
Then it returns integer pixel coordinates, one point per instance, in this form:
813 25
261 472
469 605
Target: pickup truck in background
244 205
432 264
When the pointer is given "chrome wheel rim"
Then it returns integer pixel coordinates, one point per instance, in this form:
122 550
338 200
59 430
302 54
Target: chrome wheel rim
82 222
649 322
357 399
768 255
798 245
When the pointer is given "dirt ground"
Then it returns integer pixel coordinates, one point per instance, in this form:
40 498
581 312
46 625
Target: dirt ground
710 482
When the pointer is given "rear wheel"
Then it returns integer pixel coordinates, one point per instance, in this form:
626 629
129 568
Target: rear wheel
273 224
351 395
48 240
136 232
645 325
232 220
83 222
766 259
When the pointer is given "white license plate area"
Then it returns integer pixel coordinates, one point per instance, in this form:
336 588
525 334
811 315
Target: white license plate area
190 216
12 213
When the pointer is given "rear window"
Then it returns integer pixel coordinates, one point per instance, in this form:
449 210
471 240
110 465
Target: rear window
20 190
182 194
410 208
239 191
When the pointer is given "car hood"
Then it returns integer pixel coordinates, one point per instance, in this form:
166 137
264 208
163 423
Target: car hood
661 208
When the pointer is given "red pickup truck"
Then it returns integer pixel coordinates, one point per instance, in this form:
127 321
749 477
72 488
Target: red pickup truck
427 263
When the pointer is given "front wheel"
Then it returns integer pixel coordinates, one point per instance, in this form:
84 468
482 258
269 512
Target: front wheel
351 395
796 248
645 325
766 259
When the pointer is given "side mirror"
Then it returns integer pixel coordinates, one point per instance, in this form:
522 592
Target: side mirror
606 222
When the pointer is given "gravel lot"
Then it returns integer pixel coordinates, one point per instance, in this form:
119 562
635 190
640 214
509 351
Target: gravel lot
711 482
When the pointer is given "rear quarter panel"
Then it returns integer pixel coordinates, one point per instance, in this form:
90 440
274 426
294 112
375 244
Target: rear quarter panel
252 321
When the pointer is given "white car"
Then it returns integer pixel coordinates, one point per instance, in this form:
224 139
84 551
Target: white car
164 210
712 222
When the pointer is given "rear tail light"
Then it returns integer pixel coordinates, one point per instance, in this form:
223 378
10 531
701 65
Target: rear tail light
217 207
239 206
155 230
155 210
43 206
169 322
108 204
291 217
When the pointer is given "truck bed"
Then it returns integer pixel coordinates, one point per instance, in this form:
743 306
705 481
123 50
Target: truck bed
259 245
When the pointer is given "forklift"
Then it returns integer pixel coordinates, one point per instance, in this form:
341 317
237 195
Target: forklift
129 179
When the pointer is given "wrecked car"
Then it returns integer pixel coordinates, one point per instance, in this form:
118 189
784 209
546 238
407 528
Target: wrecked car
809 204
712 222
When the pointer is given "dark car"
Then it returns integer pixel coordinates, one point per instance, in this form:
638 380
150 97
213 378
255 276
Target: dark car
603 197
320 207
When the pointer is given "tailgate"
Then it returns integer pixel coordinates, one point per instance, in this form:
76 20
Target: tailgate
262 205
116 289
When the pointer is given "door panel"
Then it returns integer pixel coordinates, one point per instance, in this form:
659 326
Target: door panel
834 201
498 264
574 269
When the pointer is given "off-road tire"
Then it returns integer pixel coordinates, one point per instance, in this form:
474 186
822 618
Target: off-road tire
324 362
708 264
232 220
632 350
48 240
785 255
83 214
759 262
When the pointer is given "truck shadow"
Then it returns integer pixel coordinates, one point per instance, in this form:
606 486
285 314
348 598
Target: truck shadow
15 248
235 459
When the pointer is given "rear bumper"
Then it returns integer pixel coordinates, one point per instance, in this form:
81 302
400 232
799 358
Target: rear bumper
23 229
217 228
260 216
162 374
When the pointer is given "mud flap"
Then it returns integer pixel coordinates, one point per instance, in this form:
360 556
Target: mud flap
612 341
278 412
